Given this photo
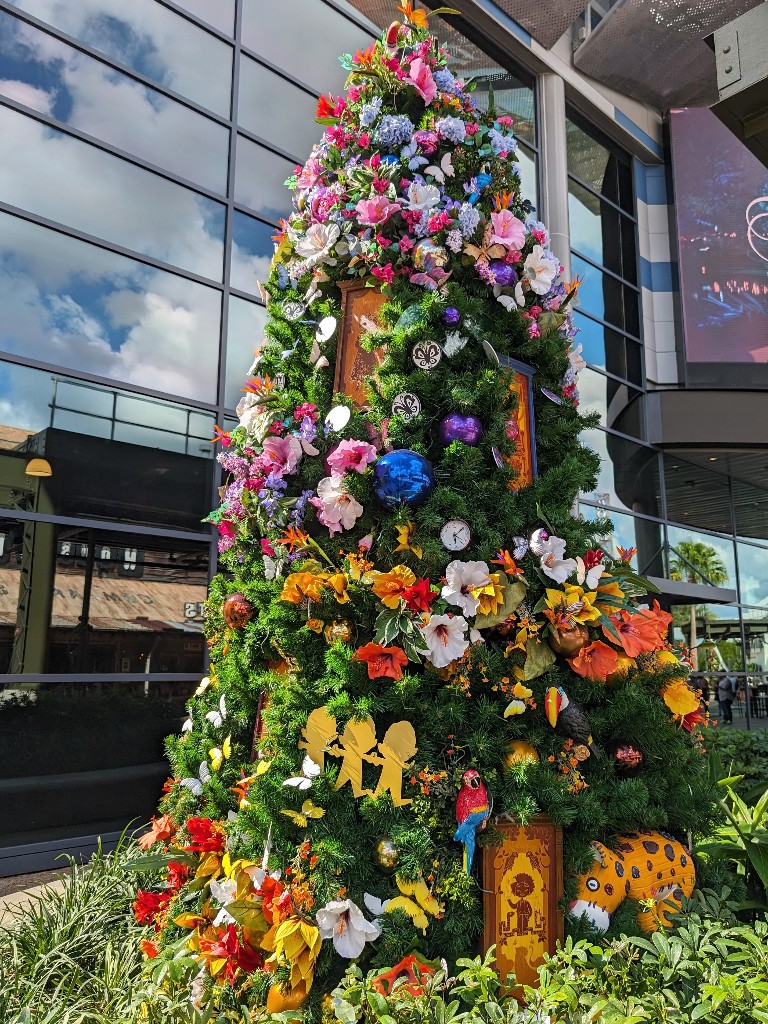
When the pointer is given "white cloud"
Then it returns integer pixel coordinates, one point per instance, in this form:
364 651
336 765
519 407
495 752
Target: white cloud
29 95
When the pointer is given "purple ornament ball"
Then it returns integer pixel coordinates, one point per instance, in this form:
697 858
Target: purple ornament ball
455 427
451 316
504 274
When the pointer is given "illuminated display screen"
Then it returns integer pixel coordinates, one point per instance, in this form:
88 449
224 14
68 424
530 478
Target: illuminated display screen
721 204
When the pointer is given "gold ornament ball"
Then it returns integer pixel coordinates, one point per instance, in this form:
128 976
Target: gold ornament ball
623 664
338 631
386 855
280 999
520 752
568 641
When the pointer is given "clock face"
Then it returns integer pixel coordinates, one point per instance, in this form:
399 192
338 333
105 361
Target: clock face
456 535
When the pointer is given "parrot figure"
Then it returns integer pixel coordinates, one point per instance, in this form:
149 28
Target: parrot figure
472 812
562 712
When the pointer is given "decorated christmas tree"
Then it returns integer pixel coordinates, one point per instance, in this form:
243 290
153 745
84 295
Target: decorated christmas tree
419 655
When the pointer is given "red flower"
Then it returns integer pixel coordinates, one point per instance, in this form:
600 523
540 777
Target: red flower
327 106
382 661
160 831
597 661
148 907
177 875
692 719
594 557
636 631
239 956
205 835
149 948
419 596
385 273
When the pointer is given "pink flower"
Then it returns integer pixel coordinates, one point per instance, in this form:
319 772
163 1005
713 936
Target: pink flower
266 547
508 230
471 127
306 409
375 211
506 120
406 244
427 141
385 273
226 529
335 508
539 236
309 174
282 454
351 454
336 135
438 221
421 79
353 94
364 140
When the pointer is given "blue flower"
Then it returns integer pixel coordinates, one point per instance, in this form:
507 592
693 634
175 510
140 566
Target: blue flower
501 143
452 129
394 130
370 111
444 80
469 218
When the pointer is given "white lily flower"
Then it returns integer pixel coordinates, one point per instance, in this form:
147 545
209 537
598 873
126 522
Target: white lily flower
540 270
344 922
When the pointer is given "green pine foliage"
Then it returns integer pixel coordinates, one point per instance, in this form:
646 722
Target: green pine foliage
280 666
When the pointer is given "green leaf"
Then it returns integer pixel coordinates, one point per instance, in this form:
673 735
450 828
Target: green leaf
538 658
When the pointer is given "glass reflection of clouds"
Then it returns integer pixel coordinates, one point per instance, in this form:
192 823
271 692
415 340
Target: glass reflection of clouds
75 305
42 170
244 338
219 13
259 180
149 39
56 79
277 110
252 249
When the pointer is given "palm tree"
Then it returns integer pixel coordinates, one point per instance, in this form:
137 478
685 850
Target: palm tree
696 562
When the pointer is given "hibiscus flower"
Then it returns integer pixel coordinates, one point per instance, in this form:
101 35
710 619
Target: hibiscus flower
446 638
299 585
636 633
389 586
539 270
371 212
597 661
462 581
335 508
553 563
422 197
419 596
344 922
317 242
382 661
420 77
508 230
351 455
281 454
680 698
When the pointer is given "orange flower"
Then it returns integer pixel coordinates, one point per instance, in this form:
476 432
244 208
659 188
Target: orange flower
659 619
418 18
303 584
261 386
389 586
382 661
160 830
636 632
596 661
507 562
295 539
149 948
338 582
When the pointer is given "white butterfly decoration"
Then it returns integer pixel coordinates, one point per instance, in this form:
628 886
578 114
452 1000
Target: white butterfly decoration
316 357
309 772
195 786
374 904
507 302
445 170
592 576
187 727
218 717
273 568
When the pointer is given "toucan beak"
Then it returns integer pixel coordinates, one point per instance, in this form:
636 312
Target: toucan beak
552 703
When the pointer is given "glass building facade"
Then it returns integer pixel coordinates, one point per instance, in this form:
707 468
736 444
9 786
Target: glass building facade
145 146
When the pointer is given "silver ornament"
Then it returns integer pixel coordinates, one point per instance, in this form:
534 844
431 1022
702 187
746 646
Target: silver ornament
426 354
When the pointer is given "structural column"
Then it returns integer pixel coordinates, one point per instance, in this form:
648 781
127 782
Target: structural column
554 167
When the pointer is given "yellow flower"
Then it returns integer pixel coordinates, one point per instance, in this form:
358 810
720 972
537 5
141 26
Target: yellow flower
611 589
338 583
490 595
299 943
316 625
388 586
405 533
574 603
360 568
680 698
518 690
303 584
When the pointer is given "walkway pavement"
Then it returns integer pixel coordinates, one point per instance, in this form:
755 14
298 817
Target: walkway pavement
21 890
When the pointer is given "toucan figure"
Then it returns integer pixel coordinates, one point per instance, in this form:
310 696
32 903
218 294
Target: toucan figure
569 718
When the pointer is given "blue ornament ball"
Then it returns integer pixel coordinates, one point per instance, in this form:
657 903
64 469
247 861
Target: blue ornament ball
451 316
504 275
403 476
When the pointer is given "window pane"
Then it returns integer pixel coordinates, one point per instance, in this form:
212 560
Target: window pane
607 298
751 506
600 232
75 305
276 110
56 79
609 350
304 38
260 180
697 496
529 177
753 574
631 532
220 14
252 249
150 39
701 558
42 170
244 338
619 405
596 163
629 474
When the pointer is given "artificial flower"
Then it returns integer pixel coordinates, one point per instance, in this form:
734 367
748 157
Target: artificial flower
405 533
462 580
296 942
508 230
149 907
420 77
382 661
316 242
371 212
577 364
445 638
204 835
539 270
299 585
351 455
624 554
659 619
281 454
507 562
692 719
229 953
573 604
344 922
680 698
596 661
389 586
551 553
338 583
161 830
490 596
293 538
149 948
422 196
360 568
224 892
335 508
637 634
419 596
